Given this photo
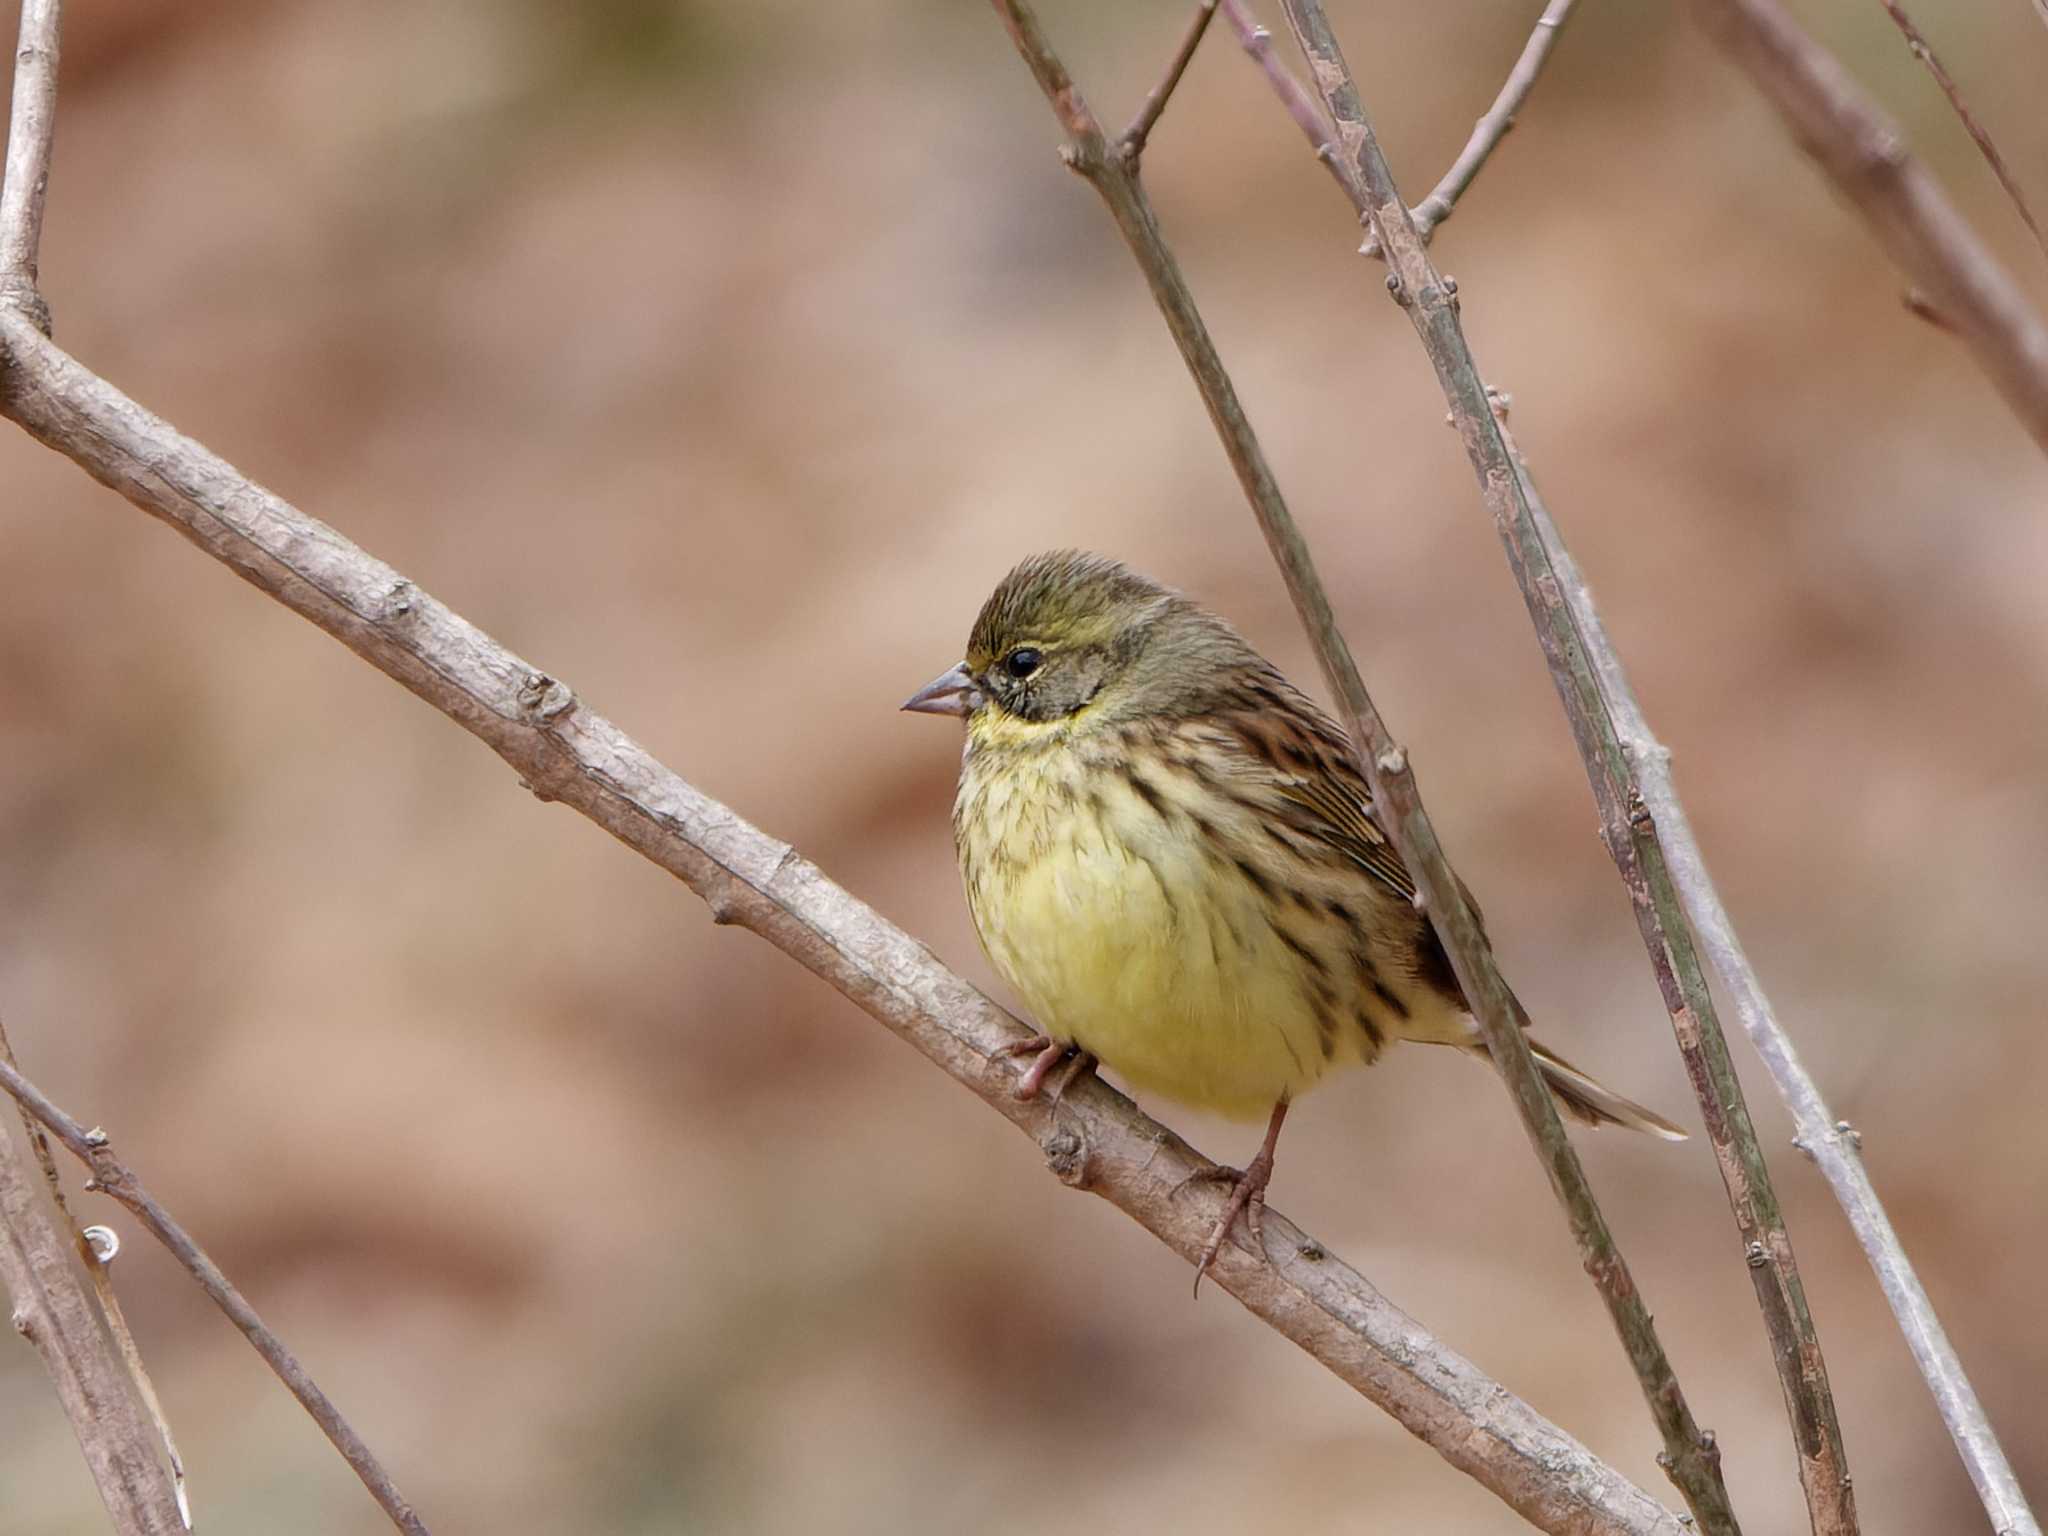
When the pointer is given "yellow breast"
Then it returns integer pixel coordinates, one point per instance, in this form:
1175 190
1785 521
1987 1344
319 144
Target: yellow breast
1132 934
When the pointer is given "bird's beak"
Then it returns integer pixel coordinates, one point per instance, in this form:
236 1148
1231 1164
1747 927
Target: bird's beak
950 693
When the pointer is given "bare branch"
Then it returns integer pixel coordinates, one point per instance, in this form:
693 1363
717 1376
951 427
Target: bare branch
112 1177
1487 133
1385 765
1493 127
1299 100
32 123
1132 144
1094 1139
1953 1394
1432 305
51 1311
1915 303
1863 152
1924 51
1830 1142
97 1247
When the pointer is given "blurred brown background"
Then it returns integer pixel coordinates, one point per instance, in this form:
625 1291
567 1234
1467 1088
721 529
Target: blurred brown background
718 358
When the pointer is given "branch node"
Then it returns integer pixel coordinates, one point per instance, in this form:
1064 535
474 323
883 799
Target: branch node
24 1325
1395 759
1847 1132
97 1138
19 293
1640 820
543 700
1311 1250
1066 1155
399 599
1755 1257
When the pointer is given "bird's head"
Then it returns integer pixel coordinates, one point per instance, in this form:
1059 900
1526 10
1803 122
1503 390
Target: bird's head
1068 632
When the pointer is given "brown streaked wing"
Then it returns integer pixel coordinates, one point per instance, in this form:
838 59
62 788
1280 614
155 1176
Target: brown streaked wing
1304 764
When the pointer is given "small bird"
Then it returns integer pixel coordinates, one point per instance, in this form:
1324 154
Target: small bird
1169 852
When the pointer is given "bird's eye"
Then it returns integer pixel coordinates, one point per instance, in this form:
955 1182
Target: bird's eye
1022 662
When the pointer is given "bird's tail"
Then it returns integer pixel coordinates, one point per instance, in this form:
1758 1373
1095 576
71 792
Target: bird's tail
1584 1099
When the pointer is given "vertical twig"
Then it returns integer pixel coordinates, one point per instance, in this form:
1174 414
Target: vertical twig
1924 52
1693 1460
1498 119
32 123
1433 307
1822 1136
110 1176
1863 153
1131 143
96 1247
51 1311
1830 1142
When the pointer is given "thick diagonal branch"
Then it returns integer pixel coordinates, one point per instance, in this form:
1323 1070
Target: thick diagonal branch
1094 1138
1690 1453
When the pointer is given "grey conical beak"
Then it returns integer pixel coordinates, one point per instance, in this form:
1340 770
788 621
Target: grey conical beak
950 693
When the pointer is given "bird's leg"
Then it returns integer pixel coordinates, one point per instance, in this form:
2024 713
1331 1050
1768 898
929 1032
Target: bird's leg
1050 1054
1247 1194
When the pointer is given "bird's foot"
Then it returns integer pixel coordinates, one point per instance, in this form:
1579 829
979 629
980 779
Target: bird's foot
1247 1195
1050 1054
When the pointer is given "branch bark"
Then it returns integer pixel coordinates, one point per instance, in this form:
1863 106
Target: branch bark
1864 154
1433 307
32 124
1832 1144
1095 1139
1690 1455
51 1311
110 1176
1092 1139
1821 1136
1498 119
1923 50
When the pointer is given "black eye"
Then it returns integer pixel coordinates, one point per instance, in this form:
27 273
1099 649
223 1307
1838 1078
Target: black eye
1022 662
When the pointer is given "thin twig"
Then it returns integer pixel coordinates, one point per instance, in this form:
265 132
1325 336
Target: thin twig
563 751
1924 52
99 1245
52 1312
1862 151
1693 1459
32 122
1830 1142
1432 305
96 1247
1818 1127
1493 127
1915 303
1300 101
112 1177
1487 133
1132 144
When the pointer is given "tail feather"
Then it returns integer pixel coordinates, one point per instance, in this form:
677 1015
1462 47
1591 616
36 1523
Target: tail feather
1584 1099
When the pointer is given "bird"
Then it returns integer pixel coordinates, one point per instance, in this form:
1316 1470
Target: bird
1170 852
